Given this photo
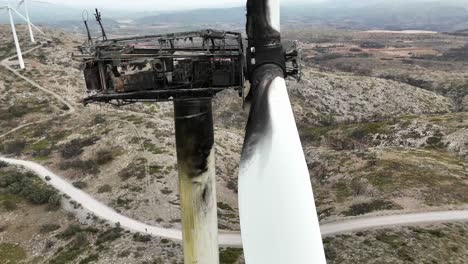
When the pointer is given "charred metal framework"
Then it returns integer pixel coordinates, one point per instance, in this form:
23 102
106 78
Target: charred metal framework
179 66
163 67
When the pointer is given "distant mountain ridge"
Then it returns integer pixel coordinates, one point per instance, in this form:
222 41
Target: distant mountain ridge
375 14
446 16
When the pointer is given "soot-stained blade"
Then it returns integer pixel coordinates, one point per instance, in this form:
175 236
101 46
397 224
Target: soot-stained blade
278 215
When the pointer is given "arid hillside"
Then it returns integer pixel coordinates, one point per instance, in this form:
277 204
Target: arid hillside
384 132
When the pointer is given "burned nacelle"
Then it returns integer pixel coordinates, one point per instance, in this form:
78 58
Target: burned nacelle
163 67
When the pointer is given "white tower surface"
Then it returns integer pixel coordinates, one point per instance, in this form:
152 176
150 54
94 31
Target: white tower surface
15 37
31 26
31 34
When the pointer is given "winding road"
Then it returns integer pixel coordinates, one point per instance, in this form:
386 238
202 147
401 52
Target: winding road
226 239
233 239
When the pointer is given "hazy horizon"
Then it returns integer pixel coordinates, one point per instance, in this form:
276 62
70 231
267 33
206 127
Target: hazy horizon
151 5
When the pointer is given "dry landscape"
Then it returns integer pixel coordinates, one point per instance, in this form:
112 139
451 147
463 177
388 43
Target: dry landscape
382 116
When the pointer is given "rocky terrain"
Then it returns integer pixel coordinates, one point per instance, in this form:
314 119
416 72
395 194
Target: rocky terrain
374 144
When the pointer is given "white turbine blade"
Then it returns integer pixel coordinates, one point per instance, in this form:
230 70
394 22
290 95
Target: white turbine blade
279 221
26 20
31 34
19 14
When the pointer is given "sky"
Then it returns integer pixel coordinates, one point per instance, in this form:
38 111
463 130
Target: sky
155 5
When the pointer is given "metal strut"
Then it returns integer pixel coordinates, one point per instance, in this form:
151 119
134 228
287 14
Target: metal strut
99 20
85 20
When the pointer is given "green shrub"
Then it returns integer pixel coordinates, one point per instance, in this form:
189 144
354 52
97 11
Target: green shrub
85 166
365 130
141 238
166 191
330 253
99 119
135 169
372 45
66 256
124 254
47 228
104 156
3 164
11 253
54 202
9 205
232 184
14 147
28 186
75 147
80 241
328 56
406 255
435 142
150 147
109 235
314 134
70 232
155 169
376 205
230 255
225 206
90 258
391 239
105 189
343 192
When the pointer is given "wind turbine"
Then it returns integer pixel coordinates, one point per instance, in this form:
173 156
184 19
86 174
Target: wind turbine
278 216
15 36
10 11
28 20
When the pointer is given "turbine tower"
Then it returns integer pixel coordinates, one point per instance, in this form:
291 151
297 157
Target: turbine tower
15 36
28 20
31 34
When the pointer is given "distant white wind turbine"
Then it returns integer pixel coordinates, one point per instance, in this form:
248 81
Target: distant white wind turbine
10 11
15 36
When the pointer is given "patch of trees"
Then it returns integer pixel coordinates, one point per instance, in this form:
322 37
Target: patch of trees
13 147
356 68
427 85
141 238
328 56
75 147
458 91
109 235
372 45
135 169
457 54
85 166
30 187
104 156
